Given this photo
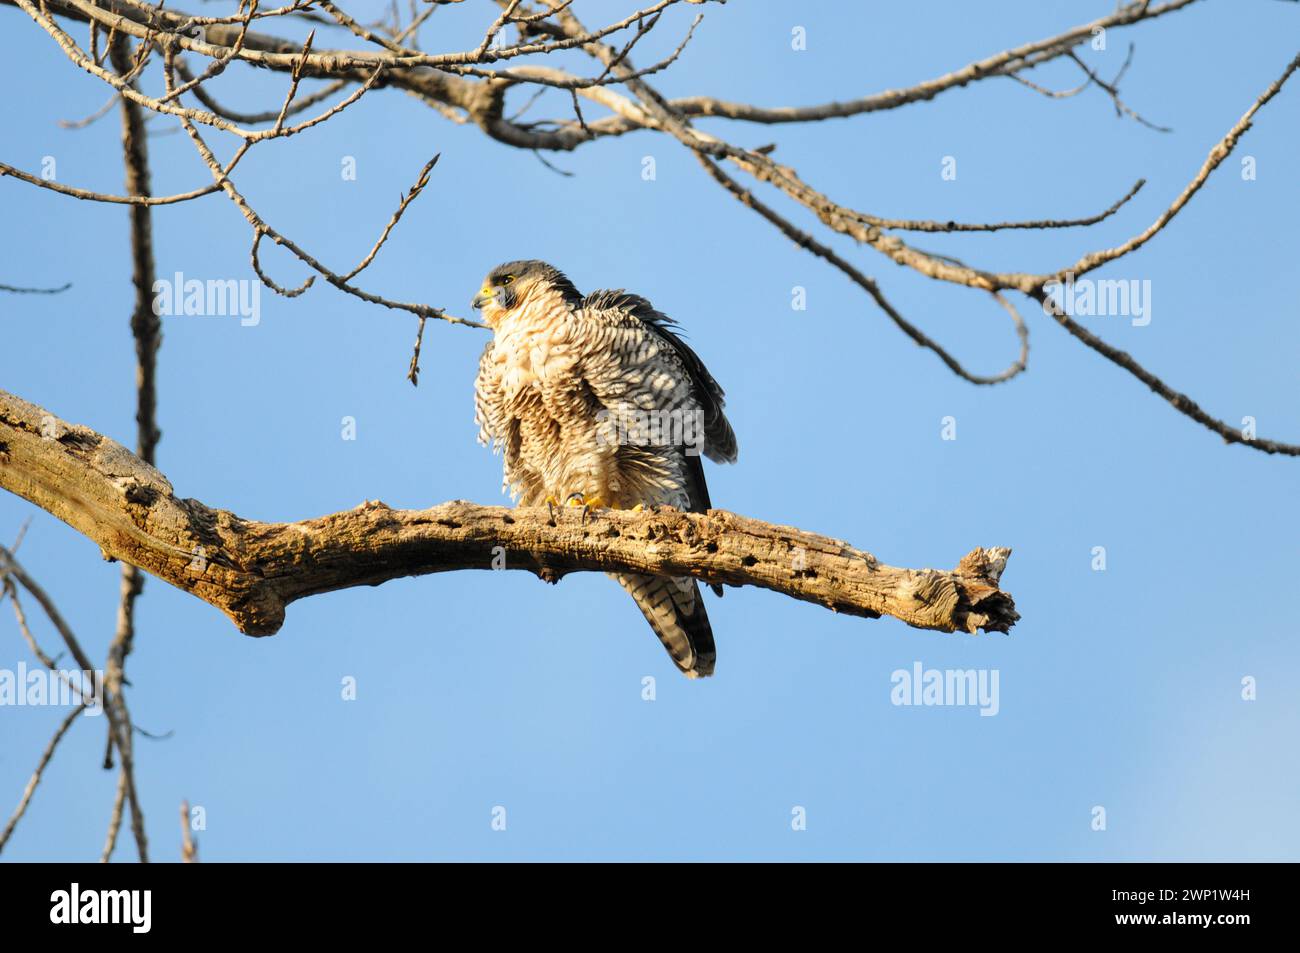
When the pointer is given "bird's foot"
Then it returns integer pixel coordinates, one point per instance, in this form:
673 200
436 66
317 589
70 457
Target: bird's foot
580 499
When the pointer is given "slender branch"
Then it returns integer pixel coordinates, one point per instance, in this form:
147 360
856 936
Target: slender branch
90 196
189 849
495 28
114 819
146 326
78 689
924 225
28 791
261 228
10 289
11 591
37 592
146 330
94 117
1222 149
202 94
413 370
406 200
1112 88
866 283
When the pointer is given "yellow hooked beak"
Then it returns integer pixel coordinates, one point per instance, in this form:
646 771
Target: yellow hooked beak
485 295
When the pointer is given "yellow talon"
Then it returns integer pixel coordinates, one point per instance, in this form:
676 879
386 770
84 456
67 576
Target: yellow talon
638 508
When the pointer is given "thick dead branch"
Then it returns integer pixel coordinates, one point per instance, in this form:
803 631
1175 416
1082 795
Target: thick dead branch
252 570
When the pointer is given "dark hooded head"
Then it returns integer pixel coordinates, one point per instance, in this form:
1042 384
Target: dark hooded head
506 286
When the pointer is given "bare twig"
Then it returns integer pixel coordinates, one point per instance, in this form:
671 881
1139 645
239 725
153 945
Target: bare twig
120 729
189 849
413 371
261 228
406 200
10 289
114 818
88 195
30 790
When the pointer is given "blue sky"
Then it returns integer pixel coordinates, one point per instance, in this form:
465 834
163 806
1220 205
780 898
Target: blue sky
1119 689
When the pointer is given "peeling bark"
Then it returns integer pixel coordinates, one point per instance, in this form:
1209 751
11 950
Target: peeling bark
251 570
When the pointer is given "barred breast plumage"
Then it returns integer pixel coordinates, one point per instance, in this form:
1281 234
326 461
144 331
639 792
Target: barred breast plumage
595 397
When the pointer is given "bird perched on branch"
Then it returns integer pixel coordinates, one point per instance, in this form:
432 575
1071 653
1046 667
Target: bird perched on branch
596 402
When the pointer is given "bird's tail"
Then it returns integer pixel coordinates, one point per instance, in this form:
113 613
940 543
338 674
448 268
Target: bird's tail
675 610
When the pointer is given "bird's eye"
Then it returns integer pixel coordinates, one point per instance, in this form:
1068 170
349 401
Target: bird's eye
507 279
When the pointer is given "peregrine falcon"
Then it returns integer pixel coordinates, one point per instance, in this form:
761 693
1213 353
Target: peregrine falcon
595 401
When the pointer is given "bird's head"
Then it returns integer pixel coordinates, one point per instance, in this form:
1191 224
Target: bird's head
509 285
